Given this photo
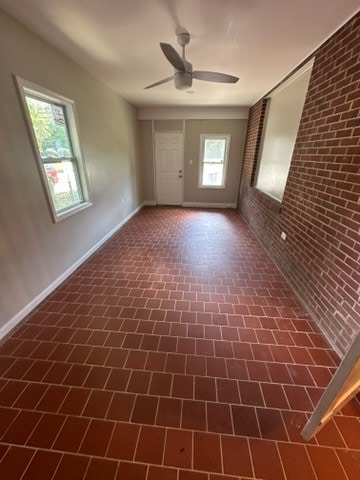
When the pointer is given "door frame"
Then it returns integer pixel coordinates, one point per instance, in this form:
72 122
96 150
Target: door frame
155 136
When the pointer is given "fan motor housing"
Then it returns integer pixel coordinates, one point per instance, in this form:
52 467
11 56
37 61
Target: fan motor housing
183 80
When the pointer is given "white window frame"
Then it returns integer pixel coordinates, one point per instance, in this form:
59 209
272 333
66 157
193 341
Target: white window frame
274 161
24 88
203 137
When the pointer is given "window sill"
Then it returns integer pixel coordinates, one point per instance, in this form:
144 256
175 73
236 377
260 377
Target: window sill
267 200
78 208
209 187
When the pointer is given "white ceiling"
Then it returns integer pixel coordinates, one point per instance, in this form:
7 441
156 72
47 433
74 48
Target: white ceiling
260 41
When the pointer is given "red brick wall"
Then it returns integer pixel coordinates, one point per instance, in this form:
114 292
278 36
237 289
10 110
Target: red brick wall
320 211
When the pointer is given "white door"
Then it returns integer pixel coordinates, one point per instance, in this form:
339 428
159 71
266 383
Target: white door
169 168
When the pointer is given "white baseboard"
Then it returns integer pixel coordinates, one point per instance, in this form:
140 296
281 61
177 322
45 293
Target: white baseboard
208 205
5 329
194 204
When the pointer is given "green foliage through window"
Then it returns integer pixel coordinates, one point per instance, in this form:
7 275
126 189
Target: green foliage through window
50 129
214 150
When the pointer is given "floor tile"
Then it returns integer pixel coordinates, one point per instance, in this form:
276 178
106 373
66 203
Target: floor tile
71 467
350 461
97 377
169 412
7 416
236 456
298 398
161 384
71 434
207 454
227 390
245 421
101 468
145 409
178 449
205 388
46 430
274 395
296 462
183 386
53 398
123 441
97 404
162 473
271 424
118 379
131 471
188 475
250 393
349 428
75 401
194 415
330 436
11 392
266 460
15 462
43 465
97 438
326 463
219 418
22 427
150 446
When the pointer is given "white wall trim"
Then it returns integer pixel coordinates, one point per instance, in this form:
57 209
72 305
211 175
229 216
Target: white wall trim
149 203
5 329
208 205
292 78
193 113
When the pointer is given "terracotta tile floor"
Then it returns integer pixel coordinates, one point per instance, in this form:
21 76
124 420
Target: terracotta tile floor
177 352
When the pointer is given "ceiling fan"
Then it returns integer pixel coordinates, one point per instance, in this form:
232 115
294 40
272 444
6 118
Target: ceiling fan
184 73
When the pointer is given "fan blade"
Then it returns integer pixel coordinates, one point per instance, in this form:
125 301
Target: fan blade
160 82
172 55
214 77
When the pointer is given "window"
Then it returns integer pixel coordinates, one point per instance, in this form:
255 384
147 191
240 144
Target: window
53 131
282 120
214 151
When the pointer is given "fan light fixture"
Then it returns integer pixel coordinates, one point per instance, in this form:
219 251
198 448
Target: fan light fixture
184 74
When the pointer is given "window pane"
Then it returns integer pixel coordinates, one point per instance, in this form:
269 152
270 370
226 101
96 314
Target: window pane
49 123
214 149
64 184
213 174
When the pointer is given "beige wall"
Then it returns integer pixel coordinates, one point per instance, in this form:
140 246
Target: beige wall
168 125
193 130
147 155
34 251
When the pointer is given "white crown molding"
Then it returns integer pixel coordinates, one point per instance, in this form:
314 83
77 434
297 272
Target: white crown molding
192 113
